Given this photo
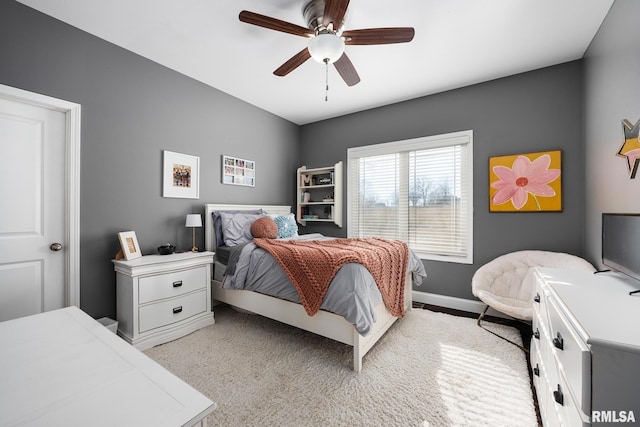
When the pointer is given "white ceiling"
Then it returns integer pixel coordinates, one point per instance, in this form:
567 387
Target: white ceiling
457 43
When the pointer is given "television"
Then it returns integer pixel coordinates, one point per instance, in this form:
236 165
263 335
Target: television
621 243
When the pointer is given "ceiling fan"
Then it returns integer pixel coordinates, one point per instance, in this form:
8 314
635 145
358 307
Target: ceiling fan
325 19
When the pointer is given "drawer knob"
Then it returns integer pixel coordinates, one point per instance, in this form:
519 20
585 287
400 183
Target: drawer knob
536 334
177 310
537 298
536 371
177 284
558 342
558 396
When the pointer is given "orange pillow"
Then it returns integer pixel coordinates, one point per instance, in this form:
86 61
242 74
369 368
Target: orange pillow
264 227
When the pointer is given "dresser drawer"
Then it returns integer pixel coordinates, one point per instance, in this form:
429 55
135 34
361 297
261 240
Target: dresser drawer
572 354
544 392
541 339
168 285
539 373
170 311
568 410
537 327
540 305
547 359
557 406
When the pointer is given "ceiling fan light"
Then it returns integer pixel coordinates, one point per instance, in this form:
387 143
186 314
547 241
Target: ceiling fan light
326 48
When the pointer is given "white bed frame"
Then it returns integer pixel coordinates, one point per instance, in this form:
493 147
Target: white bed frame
323 323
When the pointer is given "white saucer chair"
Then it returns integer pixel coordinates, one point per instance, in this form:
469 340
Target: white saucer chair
506 285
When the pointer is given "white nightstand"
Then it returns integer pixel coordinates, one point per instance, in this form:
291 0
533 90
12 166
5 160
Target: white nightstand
163 297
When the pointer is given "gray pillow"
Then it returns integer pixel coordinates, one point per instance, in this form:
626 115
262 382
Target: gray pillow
217 222
236 228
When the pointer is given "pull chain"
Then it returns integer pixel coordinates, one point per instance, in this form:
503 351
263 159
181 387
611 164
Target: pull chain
326 76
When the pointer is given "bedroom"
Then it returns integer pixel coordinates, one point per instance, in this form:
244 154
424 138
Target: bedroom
133 109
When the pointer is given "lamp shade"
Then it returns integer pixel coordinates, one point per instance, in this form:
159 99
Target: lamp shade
326 48
193 220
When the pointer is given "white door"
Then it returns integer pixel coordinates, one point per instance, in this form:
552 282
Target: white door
33 228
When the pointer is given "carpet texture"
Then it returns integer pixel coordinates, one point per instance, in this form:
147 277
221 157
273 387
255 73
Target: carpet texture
429 369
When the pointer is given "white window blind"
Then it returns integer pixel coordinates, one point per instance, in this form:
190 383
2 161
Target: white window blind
418 191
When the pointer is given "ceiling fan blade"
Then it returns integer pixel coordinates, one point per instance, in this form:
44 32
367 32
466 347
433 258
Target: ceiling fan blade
274 24
347 71
334 11
297 60
379 36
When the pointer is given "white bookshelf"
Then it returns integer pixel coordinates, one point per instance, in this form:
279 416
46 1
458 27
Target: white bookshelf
319 195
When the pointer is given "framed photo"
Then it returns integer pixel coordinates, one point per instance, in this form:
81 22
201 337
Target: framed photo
129 245
237 171
526 182
180 176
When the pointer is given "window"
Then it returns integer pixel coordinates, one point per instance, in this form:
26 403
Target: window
419 191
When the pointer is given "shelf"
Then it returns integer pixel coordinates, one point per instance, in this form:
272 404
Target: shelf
316 191
311 187
316 203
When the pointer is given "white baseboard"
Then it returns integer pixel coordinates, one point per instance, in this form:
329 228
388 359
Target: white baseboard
471 306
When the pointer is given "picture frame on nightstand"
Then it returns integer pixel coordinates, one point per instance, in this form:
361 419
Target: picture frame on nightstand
129 244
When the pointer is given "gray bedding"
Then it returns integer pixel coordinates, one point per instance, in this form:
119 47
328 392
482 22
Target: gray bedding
352 294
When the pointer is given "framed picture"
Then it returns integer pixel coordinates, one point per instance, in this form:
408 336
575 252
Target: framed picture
129 245
237 171
180 176
526 182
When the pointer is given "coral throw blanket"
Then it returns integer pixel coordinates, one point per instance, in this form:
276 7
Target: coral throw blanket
311 265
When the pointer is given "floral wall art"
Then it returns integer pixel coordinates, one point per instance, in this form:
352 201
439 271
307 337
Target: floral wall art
526 182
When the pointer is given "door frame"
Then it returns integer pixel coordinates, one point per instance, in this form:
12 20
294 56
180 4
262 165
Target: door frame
72 181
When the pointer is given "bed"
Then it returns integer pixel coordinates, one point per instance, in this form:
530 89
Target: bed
325 323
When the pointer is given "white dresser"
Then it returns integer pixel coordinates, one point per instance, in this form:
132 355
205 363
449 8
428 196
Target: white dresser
163 297
585 350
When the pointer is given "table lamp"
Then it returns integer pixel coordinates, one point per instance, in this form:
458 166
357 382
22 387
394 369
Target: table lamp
193 221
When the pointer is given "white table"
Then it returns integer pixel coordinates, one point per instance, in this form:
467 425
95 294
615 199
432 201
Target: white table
64 368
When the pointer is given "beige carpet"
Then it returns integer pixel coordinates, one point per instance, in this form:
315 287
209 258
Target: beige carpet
430 369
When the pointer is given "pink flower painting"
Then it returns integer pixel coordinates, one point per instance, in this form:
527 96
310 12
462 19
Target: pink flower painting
526 182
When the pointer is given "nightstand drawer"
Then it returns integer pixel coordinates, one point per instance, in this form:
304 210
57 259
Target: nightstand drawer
164 313
573 355
157 287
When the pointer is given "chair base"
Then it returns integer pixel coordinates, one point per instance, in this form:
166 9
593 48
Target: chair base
526 350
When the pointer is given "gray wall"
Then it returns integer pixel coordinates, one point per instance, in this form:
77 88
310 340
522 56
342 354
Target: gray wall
612 93
132 110
535 111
